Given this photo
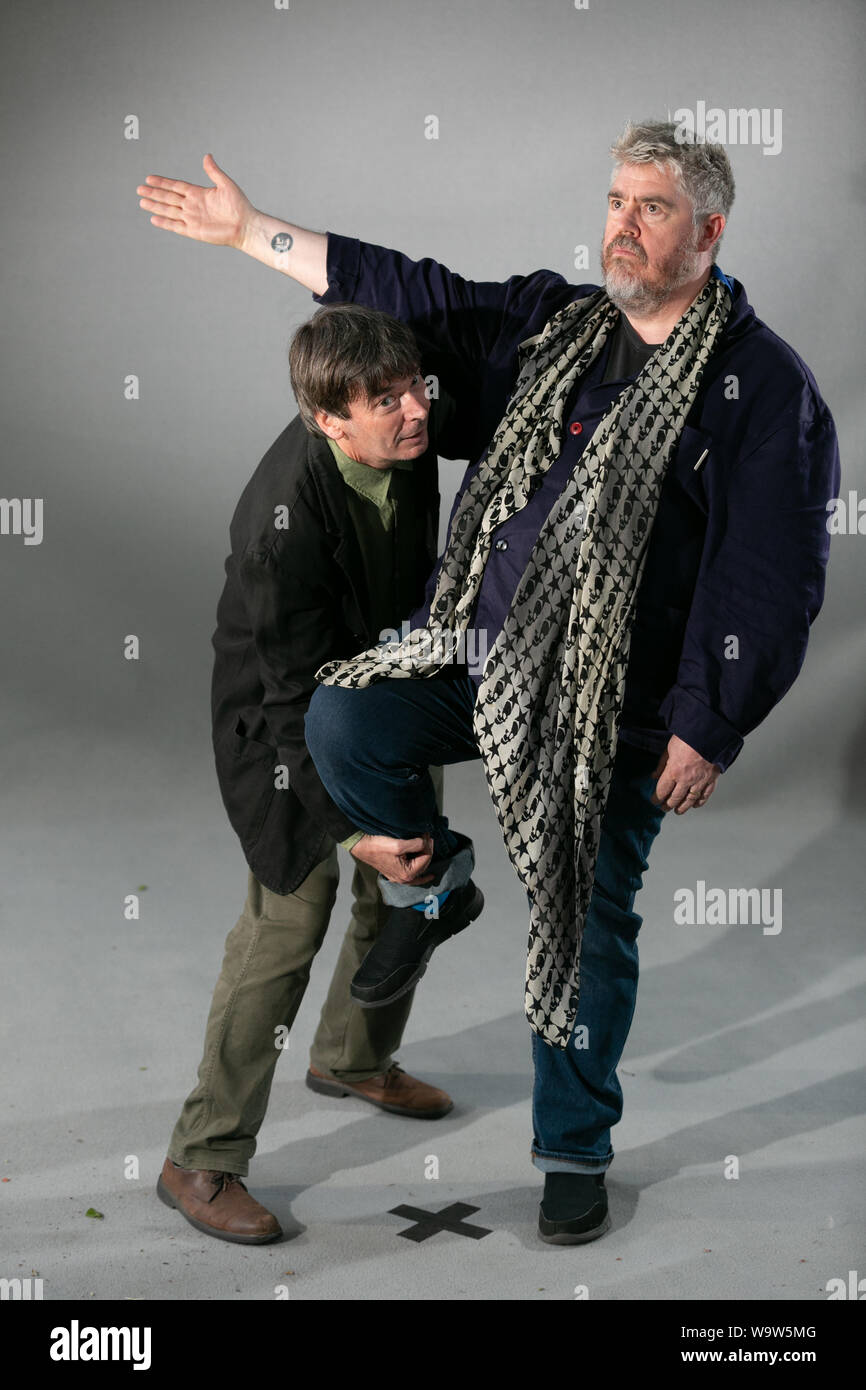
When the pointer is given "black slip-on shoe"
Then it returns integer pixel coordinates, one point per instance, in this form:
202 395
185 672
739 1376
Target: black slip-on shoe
573 1209
398 958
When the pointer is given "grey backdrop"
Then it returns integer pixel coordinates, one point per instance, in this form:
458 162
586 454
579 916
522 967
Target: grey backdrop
318 111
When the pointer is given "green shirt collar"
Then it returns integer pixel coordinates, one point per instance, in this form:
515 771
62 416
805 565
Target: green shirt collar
372 483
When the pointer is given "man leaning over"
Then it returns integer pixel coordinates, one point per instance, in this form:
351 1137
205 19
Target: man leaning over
332 540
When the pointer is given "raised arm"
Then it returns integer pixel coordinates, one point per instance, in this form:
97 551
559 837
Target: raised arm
224 216
473 326
468 331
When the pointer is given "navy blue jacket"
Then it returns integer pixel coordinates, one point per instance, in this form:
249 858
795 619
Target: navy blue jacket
739 546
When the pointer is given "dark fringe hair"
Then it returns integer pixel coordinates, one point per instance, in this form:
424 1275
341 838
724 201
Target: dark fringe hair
347 352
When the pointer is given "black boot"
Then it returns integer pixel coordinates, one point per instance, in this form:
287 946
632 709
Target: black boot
573 1209
398 958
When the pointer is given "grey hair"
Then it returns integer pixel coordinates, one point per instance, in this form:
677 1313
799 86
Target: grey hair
702 170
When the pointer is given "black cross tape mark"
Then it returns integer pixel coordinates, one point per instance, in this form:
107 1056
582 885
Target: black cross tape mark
448 1219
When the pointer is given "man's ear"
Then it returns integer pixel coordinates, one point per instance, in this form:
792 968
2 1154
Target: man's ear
713 227
331 425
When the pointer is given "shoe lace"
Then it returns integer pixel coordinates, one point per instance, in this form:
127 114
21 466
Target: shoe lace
222 1181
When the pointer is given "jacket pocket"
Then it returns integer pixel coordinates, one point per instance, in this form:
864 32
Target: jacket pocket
245 747
247 777
694 456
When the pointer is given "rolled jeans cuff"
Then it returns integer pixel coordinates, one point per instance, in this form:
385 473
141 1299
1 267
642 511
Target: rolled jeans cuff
456 871
576 1165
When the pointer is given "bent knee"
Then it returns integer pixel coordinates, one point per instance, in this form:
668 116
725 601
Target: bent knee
331 718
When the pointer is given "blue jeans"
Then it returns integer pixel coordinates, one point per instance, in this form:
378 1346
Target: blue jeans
372 749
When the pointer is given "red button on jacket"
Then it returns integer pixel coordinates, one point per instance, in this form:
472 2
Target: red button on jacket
576 427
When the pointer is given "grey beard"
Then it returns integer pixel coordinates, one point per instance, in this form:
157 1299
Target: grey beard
635 296
631 295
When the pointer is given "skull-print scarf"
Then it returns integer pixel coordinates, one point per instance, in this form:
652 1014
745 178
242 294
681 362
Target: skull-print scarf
547 710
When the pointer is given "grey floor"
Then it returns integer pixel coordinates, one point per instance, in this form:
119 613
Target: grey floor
744 1044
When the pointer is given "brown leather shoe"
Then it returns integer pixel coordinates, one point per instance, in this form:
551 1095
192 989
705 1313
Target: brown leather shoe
393 1090
218 1204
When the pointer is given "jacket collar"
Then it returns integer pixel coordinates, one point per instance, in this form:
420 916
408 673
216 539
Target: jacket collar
331 491
742 315
329 484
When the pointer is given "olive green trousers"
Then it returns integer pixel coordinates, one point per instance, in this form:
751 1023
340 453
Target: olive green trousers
265 971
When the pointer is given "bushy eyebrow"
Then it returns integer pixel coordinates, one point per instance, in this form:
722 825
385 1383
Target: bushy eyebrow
645 198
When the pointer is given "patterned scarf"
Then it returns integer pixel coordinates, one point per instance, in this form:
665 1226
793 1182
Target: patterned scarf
547 710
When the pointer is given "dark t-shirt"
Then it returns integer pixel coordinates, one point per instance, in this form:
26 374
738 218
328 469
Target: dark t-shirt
628 352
